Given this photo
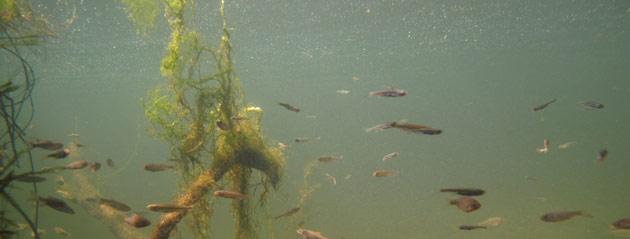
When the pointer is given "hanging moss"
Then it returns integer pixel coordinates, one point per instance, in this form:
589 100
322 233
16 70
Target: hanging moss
142 13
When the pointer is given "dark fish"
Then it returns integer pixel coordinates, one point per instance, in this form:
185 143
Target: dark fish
56 203
59 154
389 93
230 194
469 228
290 107
621 224
221 125
592 105
540 107
465 191
110 163
115 204
563 215
288 213
326 159
95 166
157 167
466 204
30 179
414 128
304 140
137 221
77 165
602 155
162 207
45 144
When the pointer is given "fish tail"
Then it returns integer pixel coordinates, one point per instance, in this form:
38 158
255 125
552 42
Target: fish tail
584 213
451 202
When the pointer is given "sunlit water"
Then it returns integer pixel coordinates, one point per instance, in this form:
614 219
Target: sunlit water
474 69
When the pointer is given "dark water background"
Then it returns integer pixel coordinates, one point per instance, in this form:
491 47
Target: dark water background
472 68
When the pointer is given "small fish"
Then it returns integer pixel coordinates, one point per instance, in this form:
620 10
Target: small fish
221 125
304 140
348 176
95 166
162 207
591 105
283 146
383 173
343 92
532 179
414 128
465 191
230 194
621 224
355 78
466 204
45 144
137 221
389 156
602 156
540 107
238 118
74 135
326 159
30 179
288 213
491 222
115 204
65 194
62 231
566 145
290 107
380 127
77 165
311 116
389 93
56 203
469 228
157 167
563 215
308 234
546 146
59 154
332 178
110 163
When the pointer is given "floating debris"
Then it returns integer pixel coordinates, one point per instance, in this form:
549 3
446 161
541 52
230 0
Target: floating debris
380 127
343 92
62 231
355 78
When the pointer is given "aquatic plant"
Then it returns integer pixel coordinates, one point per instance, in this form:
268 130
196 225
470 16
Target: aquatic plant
195 114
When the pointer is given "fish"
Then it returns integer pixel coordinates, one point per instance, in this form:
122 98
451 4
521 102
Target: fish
602 156
115 204
221 125
466 204
110 163
389 156
465 191
77 165
591 105
383 173
290 107
343 92
560 216
308 234
546 145
288 213
55 203
64 194
566 145
540 107
334 180
74 135
59 154
60 181
305 140
75 143
45 144
355 78
326 159
157 167
621 224
348 176
491 222
283 146
95 166
238 118
30 179
62 231
230 194
532 179
162 207
380 127
414 128
137 221
391 92
469 228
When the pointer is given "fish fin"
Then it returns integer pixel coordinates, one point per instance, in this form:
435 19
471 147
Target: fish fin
584 213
